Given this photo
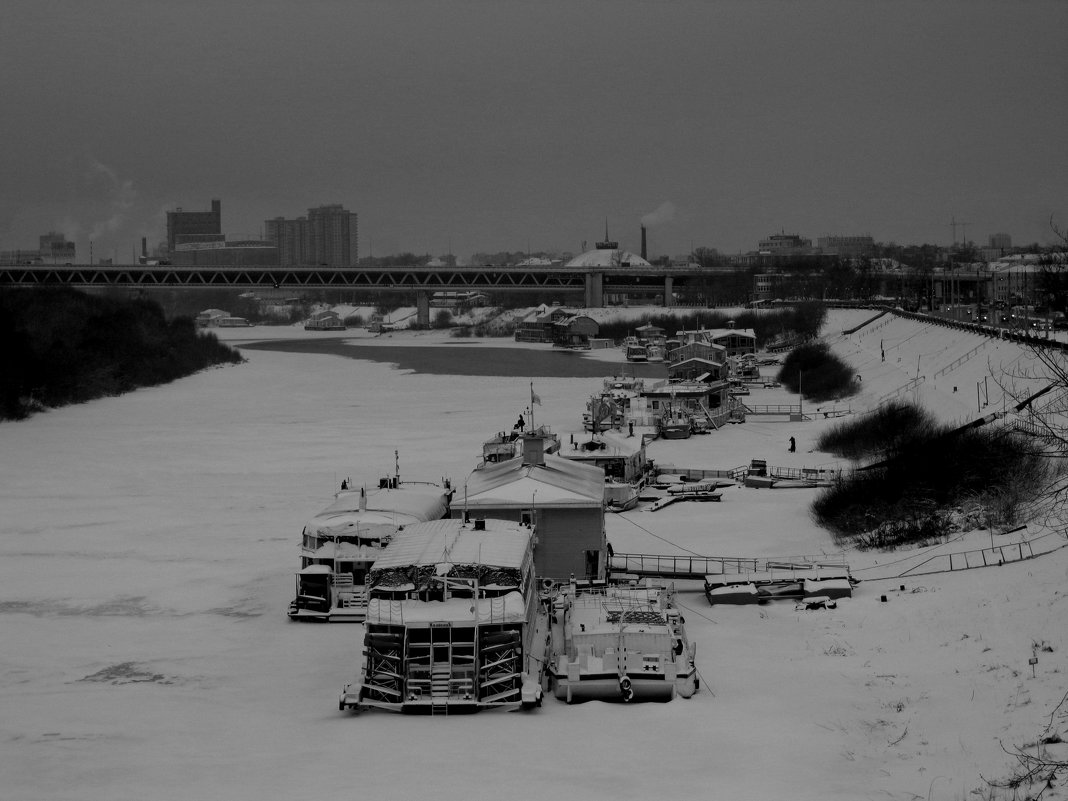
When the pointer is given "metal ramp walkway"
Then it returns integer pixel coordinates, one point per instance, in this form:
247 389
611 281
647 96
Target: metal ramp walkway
697 567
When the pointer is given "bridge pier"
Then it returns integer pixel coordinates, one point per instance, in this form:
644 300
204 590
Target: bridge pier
422 309
669 291
594 290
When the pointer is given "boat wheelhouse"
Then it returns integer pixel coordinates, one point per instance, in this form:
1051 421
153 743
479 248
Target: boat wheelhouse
507 445
623 459
603 412
451 621
619 643
341 542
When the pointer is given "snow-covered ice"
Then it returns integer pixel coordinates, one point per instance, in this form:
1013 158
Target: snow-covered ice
147 550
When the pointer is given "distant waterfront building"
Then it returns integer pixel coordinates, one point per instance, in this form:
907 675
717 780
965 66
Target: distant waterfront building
55 249
785 245
846 245
766 285
329 236
1001 241
291 238
237 253
187 227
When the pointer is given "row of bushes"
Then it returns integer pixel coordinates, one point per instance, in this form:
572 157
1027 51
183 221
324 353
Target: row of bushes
924 471
62 346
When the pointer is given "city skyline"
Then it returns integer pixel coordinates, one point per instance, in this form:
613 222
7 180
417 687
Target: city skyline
475 127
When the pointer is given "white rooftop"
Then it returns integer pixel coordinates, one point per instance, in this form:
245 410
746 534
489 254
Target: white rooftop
502 543
555 482
608 257
408 503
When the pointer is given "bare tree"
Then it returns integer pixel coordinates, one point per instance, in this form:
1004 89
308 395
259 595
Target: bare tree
1037 772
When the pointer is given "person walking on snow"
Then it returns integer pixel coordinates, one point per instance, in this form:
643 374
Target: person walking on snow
793 445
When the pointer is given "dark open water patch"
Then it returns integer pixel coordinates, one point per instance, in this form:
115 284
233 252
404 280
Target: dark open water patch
467 360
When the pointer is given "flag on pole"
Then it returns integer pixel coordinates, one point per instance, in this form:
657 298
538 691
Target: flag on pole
534 399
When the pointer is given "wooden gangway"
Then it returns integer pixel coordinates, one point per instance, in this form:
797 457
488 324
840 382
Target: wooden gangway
684 566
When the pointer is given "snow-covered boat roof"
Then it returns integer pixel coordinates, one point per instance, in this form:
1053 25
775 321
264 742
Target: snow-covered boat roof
556 481
498 543
609 442
391 507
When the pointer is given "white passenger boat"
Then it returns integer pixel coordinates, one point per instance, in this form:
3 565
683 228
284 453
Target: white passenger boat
619 643
341 542
451 621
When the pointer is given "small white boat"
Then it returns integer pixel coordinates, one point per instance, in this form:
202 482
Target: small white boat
619 496
619 643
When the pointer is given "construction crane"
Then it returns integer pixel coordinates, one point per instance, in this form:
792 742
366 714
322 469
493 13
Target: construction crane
954 224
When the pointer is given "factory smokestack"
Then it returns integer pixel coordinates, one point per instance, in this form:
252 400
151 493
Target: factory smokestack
144 246
644 254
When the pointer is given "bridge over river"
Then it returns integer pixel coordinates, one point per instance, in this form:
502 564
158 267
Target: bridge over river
593 282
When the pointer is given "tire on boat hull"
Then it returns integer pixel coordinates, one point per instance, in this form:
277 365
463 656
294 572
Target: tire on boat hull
688 687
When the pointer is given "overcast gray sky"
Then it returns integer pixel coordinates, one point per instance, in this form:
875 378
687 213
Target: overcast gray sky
485 126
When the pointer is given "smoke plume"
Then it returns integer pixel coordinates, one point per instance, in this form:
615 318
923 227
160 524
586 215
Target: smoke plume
665 212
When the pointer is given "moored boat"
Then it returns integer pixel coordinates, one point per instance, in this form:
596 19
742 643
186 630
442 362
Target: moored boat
509 444
792 583
341 542
451 621
637 352
619 643
675 424
620 496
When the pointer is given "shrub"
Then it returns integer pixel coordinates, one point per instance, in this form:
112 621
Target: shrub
880 433
815 372
934 472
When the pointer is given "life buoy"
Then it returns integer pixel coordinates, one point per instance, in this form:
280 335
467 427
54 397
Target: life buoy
546 584
626 688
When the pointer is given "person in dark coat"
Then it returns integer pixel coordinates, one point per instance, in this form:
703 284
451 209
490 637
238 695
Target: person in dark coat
793 445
